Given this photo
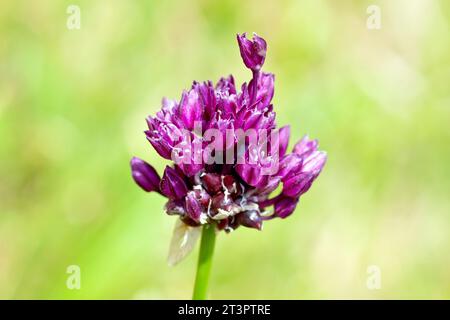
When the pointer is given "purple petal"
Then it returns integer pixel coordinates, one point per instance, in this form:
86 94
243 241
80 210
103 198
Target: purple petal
222 202
212 182
187 154
226 85
285 206
193 207
270 185
315 162
208 98
249 173
305 146
283 137
167 110
252 120
190 109
268 120
265 89
298 184
250 219
190 169
289 163
144 175
163 136
172 184
175 207
159 144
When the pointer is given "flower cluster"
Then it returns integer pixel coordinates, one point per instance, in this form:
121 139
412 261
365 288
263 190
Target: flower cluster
200 186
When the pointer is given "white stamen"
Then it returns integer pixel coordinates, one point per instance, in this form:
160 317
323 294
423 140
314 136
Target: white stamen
266 213
225 189
223 214
203 218
209 207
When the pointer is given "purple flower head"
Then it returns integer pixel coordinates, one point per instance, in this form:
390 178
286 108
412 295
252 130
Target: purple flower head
228 155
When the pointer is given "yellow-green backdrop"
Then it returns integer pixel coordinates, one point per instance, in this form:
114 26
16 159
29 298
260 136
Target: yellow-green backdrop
72 110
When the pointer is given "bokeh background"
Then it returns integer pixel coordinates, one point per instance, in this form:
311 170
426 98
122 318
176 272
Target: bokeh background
72 110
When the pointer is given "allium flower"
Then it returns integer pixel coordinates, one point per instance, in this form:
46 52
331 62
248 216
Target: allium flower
219 177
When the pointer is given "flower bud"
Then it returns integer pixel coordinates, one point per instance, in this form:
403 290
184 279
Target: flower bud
144 175
298 184
193 207
253 52
250 219
175 207
285 206
172 184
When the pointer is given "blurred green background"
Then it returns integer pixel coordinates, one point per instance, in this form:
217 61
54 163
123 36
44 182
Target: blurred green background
72 110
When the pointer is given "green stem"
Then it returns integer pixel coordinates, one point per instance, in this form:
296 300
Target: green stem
204 262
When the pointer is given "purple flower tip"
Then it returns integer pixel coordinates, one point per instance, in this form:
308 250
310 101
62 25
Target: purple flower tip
253 52
144 175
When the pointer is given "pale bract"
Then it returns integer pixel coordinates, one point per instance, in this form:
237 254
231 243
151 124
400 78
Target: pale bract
183 241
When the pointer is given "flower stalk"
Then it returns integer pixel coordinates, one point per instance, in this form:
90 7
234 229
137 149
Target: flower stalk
204 262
